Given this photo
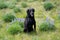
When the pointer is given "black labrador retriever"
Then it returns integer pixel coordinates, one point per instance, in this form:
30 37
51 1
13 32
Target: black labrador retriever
30 21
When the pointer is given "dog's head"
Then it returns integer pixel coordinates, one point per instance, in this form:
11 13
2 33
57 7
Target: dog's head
30 12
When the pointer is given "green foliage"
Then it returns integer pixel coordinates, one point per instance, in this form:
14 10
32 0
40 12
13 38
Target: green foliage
48 6
10 5
21 24
3 5
16 9
46 26
31 0
24 5
0 26
57 18
44 0
15 28
7 4
1 37
8 17
18 0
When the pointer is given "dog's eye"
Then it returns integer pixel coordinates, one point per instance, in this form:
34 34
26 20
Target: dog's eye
33 10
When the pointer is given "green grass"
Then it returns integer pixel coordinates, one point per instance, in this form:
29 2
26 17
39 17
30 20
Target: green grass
15 28
24 5
47 26
3 5
8 17
48 6
40 15
17 9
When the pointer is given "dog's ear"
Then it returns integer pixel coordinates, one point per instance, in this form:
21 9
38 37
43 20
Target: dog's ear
33 10
27 10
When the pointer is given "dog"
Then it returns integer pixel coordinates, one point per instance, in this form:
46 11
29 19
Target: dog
30 21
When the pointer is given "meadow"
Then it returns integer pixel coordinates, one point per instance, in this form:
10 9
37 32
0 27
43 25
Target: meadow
17 9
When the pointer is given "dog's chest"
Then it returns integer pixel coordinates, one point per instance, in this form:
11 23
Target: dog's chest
30 21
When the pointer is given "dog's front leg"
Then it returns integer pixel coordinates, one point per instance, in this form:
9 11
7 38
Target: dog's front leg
35 26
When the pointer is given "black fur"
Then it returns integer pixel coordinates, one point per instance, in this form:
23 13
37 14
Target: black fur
30 21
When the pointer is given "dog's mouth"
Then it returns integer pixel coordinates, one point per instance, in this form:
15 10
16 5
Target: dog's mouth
32 14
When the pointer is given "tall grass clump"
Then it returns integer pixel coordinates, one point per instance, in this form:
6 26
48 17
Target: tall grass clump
31 0
10 4
48 6
18 0
16 9
8 17
46 26
21 24
24 5
3 5
15 28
